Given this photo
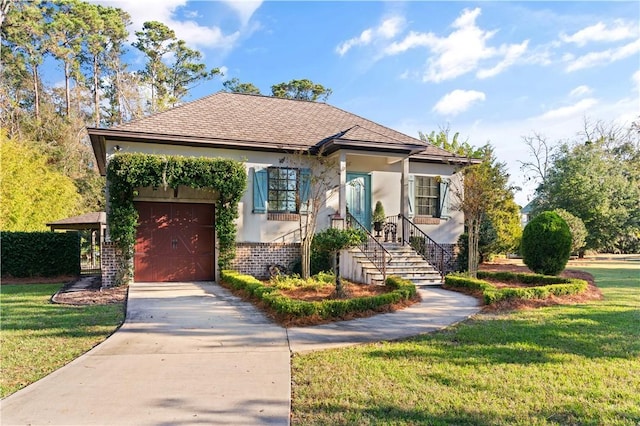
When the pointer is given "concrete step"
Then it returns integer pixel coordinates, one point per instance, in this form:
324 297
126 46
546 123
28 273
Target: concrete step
405 263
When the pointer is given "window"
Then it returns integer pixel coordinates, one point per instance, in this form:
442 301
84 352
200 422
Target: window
427 196
283 185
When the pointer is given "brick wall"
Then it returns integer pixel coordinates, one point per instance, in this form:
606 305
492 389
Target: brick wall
109 264
255 258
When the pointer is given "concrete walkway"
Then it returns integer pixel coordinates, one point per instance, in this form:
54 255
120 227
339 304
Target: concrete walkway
192 353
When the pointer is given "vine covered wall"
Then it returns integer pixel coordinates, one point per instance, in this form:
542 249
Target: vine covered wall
128 171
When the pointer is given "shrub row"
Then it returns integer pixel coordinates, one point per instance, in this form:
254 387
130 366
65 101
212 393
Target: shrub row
549 286
40 254
325 309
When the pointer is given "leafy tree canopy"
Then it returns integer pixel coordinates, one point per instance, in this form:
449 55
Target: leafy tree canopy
304 89
236 86
32 192
597 179
453 145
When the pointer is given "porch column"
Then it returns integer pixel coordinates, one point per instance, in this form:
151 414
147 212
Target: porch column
404 198
404 188
342 194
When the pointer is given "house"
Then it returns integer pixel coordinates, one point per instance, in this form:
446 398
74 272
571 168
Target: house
371 163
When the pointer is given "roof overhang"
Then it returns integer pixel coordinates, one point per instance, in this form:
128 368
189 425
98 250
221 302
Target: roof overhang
329 146
99 137
332 145
94 220
453 159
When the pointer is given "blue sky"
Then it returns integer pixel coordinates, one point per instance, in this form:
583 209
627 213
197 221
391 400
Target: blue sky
493 71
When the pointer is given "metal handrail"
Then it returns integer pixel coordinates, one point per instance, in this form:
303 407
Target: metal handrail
372 248
293 236
439 257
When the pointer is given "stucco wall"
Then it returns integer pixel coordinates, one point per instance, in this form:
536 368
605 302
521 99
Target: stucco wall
385 181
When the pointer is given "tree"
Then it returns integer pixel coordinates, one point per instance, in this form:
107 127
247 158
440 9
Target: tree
103 45
235 86
185 71
4 9
305 90
546 244
505 219
597 180
23 37
317 184
169 82
484 188
333 240
32 192
541 150
442 140
578 231
66 32
154 40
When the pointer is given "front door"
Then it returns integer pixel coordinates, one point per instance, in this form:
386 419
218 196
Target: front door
359 197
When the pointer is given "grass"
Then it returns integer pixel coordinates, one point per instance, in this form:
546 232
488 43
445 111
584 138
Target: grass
38 337
571 364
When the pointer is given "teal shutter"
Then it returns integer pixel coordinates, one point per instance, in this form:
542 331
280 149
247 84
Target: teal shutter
259 190
305 189
444 199
412 195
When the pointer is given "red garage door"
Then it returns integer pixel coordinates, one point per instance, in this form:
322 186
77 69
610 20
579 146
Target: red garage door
174 242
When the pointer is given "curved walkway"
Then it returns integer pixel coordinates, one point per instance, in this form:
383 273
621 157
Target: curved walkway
192 353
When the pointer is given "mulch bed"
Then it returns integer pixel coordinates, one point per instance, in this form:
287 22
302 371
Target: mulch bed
592 292
352 290
92 295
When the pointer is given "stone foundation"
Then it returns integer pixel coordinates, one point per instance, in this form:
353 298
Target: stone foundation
256 258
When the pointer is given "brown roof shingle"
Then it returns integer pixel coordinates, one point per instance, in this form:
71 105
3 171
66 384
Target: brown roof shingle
264 123
255 118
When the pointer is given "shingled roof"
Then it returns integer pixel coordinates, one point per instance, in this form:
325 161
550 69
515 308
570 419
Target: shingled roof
264 123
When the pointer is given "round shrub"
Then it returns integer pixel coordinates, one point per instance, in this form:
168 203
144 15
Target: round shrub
546 244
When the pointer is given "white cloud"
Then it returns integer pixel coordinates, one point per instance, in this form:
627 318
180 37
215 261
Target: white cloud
635 78
194 34
579 108
619 30
244 8
458 101
579 91
511 54
462 51
604 57
387 29
413 39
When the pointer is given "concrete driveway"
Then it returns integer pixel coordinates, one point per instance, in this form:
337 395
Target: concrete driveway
192 353
188 353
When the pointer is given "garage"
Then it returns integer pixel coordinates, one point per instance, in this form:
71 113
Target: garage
174 242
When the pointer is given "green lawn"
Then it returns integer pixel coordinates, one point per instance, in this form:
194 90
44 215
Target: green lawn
575 364
38 337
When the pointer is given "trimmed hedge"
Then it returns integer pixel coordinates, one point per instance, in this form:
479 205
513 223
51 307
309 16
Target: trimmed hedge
546 244
40 254
325 309
549 286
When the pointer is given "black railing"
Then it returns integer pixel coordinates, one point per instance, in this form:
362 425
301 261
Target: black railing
371 247
408 233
